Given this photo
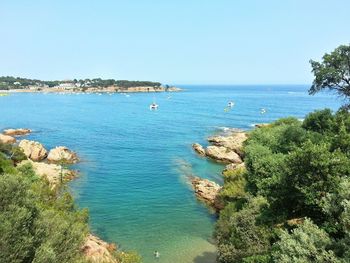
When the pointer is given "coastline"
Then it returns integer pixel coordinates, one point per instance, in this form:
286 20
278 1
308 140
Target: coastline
53 166
112 89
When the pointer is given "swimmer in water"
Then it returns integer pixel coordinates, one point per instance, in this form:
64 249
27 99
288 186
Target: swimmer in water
156 254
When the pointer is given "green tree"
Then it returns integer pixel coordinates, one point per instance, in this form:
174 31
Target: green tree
239 234
333 72
306 243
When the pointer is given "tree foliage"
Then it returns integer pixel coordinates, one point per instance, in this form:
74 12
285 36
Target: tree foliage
306 243
333 72
301 170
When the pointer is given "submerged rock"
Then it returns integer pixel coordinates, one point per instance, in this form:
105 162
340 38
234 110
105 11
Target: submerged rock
198 149
222 154
33 150
96 250
7 139
206 190
52 172
17 132
62 154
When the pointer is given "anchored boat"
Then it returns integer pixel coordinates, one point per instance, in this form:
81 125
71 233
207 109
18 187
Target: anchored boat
231 104
153 106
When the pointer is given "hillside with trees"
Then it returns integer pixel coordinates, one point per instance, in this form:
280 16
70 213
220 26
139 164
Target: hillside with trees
8 82
291 202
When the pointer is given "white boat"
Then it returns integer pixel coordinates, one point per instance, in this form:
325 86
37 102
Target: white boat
153 106
231 104
263 111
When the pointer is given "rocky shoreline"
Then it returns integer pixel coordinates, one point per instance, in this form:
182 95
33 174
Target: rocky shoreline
226 149
51 165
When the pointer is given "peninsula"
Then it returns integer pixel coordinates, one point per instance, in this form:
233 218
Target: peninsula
96 85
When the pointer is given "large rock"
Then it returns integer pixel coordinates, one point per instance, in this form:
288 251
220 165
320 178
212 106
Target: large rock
198 149
233 141
97 250
206 190
17 132
233 166
222 154
33 150
52 172
7 139
62 154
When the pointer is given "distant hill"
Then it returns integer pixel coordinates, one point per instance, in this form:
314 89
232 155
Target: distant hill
8 82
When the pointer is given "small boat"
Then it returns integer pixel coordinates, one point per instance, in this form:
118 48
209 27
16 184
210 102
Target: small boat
263 111
153 106
231 104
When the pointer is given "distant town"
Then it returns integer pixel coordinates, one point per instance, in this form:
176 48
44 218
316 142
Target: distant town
18 84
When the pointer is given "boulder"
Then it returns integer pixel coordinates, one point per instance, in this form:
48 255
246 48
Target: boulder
62 154
233 166
33 150
7 139
206 190
222 154
234 141
198 149
97 250
52 172
17 132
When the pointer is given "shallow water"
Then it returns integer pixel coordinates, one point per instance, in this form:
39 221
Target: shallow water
135 161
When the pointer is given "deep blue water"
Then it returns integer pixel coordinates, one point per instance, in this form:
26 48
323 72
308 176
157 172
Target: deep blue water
135 161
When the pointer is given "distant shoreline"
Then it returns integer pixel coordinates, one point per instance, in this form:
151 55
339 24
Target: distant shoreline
95 90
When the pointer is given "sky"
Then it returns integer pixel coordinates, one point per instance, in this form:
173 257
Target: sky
171 41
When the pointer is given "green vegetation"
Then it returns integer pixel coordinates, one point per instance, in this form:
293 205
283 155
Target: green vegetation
291 203
7 83
333 73
39 224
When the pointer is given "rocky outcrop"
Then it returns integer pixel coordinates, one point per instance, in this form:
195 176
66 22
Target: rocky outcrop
97 250
33 150
222 154
233 166
261 125
17 132
207 191
198 149
52 172
62 154
234 141
225 149
7 139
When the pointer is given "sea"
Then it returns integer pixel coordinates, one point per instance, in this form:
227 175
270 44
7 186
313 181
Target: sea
135 162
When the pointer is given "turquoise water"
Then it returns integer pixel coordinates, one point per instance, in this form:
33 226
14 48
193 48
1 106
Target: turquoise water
135 161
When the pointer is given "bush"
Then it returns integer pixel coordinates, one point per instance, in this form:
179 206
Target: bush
295 170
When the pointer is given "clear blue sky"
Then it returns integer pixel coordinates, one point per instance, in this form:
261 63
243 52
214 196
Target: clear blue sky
179 41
